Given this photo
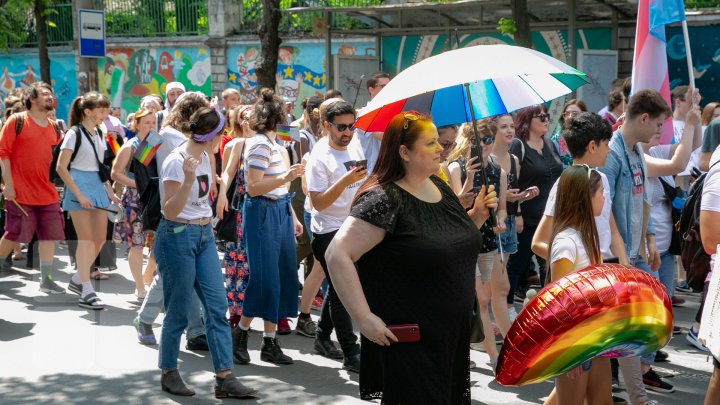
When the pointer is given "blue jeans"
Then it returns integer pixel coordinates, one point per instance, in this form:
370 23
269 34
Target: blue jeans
187 260
666 273
152 303
647 358
272 290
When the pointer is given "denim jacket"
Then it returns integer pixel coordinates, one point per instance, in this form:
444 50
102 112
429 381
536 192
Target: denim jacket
619 175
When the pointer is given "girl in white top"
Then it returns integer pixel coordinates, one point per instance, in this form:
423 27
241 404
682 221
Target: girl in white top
85 192
187 256
575 245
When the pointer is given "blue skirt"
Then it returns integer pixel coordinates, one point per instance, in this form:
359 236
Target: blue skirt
90 186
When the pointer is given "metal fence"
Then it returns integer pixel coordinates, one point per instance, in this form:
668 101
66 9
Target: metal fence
60 31
152 18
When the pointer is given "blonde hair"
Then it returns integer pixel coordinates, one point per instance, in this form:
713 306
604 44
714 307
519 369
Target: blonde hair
137 116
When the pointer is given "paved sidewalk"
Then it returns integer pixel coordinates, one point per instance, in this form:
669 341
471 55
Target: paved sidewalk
53 352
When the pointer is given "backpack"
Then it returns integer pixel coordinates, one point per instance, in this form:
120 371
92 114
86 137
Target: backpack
147 184
692 253
20 121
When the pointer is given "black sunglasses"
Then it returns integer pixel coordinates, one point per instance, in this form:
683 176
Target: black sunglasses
542 117
342 127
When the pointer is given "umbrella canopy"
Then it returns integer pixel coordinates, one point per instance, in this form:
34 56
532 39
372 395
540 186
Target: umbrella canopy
500 79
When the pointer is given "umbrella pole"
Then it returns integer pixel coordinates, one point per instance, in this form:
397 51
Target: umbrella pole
493 217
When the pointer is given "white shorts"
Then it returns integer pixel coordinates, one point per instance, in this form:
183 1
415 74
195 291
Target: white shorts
484 266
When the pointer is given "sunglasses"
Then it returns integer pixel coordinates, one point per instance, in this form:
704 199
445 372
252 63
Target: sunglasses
589 169
542 117
447 145
571 114
342 127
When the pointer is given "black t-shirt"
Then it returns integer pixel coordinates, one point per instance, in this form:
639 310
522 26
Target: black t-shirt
536 169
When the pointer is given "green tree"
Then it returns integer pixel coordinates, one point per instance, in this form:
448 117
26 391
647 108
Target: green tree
13 16
40 12
269 43
522 22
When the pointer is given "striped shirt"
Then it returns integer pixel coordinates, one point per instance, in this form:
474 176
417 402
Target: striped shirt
262 153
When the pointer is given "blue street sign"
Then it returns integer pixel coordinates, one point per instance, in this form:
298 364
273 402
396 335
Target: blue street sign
92 33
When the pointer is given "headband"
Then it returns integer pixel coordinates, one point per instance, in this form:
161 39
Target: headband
201 138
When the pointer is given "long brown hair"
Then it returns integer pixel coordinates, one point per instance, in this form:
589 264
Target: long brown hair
573 207
89 101
400 131
708 111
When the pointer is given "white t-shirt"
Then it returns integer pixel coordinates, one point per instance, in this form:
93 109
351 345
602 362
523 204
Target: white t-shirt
198 203
660 207
602 221
88 155
327 166
711 189
370 146
568 245
172 138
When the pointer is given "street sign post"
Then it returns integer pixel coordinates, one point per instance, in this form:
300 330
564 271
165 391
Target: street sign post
92 33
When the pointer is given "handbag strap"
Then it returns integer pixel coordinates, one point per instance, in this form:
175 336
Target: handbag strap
92 144
234 202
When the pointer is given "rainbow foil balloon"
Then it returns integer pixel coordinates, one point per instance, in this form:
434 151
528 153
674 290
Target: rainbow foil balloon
606 310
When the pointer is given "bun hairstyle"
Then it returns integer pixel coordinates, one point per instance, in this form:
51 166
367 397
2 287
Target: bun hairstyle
267 112
312 107
205 124
88 101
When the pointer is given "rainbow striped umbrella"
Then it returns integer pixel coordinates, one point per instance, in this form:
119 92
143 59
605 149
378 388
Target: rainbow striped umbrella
493 79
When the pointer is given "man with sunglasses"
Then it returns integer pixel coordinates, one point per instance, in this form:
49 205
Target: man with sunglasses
370 141
334 173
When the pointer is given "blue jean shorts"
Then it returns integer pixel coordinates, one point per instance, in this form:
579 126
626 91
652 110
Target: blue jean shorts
509 237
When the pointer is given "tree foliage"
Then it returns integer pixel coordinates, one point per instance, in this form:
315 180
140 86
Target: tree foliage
13 22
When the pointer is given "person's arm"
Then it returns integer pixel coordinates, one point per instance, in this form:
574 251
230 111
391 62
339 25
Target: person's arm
231 162
709 230
679 153
258 159
118 168
561 268
176 193
7 141
321 200
541 239
355 238
617 246
227 151
502 207
704 161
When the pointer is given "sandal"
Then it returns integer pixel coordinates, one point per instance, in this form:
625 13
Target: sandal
98 275
91 301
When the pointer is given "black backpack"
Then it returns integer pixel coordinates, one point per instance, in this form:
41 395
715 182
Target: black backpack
692 252
147 184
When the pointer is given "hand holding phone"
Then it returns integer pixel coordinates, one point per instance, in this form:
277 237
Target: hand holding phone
408 333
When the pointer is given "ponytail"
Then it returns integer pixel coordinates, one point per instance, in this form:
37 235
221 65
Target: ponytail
76 112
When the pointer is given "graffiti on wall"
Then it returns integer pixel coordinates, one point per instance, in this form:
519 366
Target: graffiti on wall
301 72
21 70
705 47
126 75
403 51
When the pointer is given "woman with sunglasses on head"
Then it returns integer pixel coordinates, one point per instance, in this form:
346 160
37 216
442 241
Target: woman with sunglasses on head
540 167
464 178
574 246
409 236
187 257
570 110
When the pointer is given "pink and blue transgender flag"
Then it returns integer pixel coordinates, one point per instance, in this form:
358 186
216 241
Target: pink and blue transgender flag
650 67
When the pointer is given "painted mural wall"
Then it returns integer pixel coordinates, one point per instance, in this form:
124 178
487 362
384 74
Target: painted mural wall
21 70
302 67
705 47
401 52
126 75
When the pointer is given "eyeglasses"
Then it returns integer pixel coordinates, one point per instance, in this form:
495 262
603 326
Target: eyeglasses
589 169
542 117
342 127
487 140
571 114
447 145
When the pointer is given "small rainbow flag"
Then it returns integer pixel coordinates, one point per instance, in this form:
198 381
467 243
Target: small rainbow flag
148 147
288 134
112 144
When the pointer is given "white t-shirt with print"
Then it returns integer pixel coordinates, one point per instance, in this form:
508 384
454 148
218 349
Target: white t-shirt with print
327 166
711 189
198 203
88 155
602 221
568 245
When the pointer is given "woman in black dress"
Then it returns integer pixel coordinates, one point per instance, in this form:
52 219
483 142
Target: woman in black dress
415 248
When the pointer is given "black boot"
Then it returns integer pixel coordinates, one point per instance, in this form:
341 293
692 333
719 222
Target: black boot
230 386
272 352
239 346
172 382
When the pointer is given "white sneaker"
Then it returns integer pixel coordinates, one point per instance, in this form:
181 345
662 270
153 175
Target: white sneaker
692 338
513 313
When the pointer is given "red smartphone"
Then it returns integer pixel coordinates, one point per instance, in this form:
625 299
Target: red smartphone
406 333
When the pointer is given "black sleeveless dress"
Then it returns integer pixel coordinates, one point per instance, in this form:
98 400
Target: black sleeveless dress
422 272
